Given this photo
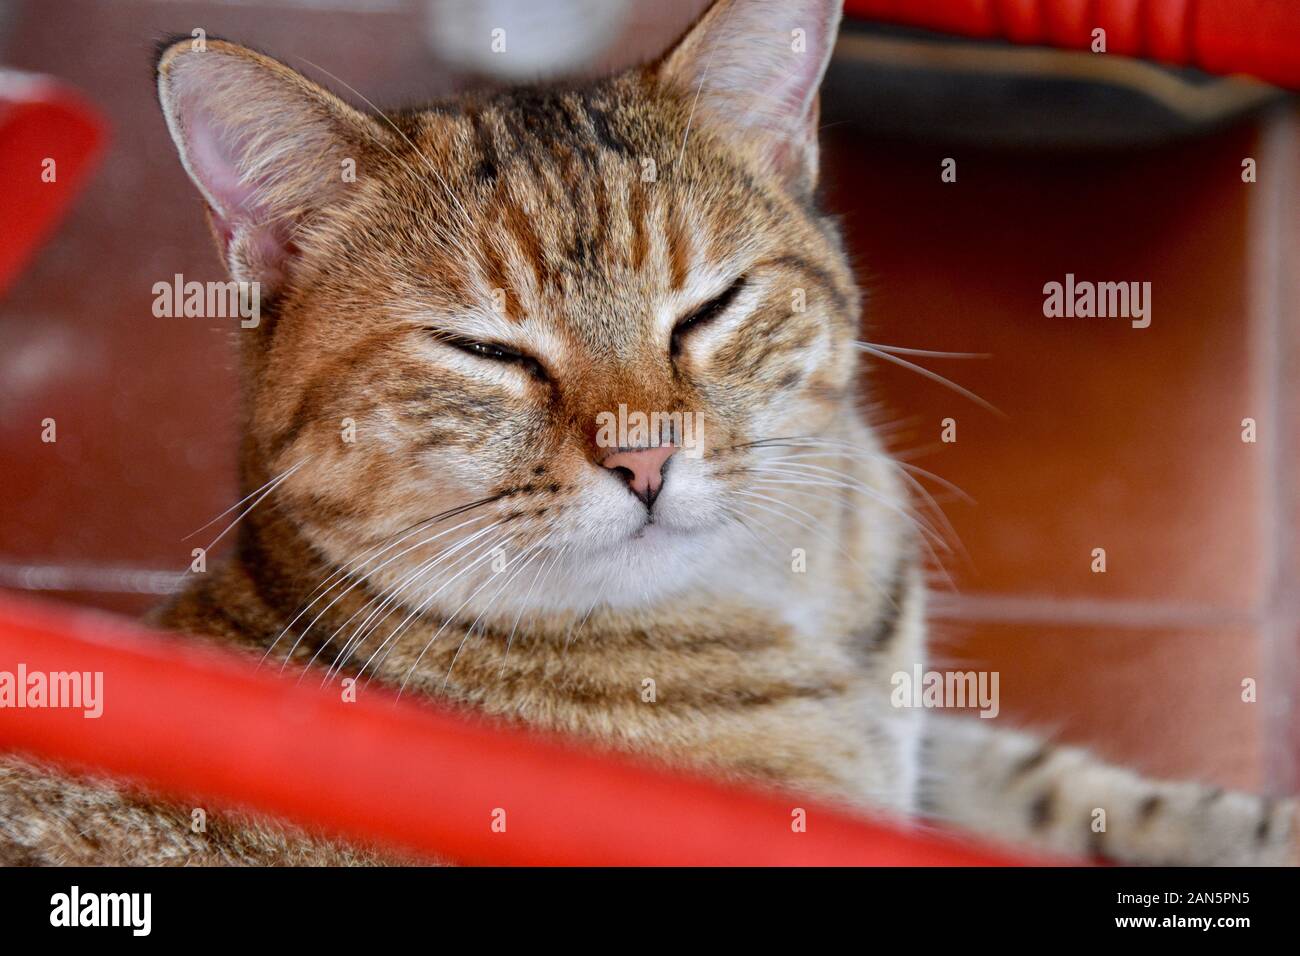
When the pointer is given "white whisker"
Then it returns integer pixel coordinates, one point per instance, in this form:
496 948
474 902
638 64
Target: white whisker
266 489
419 576
933 376
389 595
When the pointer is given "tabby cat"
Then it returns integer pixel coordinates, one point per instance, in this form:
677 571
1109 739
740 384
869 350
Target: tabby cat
454 299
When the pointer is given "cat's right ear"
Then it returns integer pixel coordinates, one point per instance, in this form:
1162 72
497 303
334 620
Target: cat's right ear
265 146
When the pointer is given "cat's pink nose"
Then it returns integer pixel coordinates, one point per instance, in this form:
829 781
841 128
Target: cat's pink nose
643 468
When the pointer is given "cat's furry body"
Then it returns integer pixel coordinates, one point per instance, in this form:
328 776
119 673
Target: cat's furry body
758 672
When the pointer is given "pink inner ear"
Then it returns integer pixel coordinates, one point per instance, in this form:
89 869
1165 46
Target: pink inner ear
213 154
214 158
803 84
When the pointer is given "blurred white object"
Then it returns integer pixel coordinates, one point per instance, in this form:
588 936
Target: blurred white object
520 40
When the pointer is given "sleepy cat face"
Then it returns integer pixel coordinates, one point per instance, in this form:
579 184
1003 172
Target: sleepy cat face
469 305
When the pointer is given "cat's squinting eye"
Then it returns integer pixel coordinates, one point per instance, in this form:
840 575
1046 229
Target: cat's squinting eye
495 353
703 315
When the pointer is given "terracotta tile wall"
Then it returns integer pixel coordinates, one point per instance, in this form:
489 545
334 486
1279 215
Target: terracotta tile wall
1111 437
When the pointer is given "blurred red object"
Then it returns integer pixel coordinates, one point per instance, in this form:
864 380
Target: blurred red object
1257 37
50 140
190 721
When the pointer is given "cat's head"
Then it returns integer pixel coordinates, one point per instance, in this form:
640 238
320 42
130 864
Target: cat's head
472 301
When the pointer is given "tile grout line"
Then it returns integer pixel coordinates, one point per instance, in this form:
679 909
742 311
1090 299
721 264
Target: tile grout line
1084 612
1007 608
1267 247
97 578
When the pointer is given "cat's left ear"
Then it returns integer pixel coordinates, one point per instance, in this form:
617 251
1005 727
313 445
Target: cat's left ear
752 69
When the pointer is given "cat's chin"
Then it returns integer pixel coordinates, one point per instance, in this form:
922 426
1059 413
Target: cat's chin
645 567
652 541
650 534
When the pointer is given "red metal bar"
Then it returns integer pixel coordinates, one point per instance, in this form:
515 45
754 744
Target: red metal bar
1257 37
186 720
